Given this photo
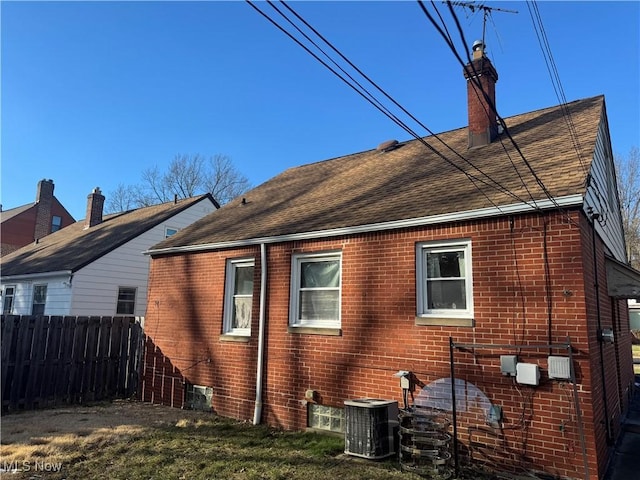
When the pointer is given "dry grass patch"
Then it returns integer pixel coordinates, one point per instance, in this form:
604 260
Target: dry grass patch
129 440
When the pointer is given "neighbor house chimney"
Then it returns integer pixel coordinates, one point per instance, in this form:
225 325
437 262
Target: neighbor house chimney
95 202
481 103
44 201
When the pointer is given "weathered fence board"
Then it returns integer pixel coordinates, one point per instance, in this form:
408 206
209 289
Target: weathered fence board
51 360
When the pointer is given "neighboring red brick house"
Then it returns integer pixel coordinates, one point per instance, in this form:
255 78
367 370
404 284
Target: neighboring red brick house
27 223
322 283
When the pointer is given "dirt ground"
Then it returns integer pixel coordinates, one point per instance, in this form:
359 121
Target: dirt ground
36 442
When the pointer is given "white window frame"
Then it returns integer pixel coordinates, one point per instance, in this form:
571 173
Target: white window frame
135 299
56 223
5 296
33 299
172 229
421 279
296 262
230 295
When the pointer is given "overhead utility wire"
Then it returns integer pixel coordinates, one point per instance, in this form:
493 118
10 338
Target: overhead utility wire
476 82
555 79
471 177
375 104
392 117
490 102
503 123
492 105
500 187
370 96
406 128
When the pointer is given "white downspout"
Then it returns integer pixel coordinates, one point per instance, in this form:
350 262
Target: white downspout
257 413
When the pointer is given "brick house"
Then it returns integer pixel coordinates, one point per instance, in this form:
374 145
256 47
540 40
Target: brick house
319 285
27 223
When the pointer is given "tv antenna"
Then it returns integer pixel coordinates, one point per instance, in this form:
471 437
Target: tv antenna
486 11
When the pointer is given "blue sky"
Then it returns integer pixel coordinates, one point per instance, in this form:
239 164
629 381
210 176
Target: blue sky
93 93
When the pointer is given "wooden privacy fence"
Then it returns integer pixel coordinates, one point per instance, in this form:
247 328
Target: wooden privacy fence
48 360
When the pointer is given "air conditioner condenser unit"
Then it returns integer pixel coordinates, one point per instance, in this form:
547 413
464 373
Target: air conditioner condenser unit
371 427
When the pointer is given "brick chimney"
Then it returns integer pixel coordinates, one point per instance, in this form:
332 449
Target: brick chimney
44 201
95 202
483 126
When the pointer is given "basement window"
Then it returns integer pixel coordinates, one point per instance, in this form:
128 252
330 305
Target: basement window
327 418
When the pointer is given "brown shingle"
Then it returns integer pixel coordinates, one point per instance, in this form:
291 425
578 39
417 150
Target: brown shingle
73 247
411 181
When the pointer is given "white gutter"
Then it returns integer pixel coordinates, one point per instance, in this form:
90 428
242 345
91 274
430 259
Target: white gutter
567 201
257 413
29 276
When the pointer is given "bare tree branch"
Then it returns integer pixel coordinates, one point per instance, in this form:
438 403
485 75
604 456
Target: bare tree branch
123 198
628 179
186 176
224 182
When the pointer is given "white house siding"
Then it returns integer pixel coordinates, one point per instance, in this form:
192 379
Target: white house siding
602 196
95 287
58 294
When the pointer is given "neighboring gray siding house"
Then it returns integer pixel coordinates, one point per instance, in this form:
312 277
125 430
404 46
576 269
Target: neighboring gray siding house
95 266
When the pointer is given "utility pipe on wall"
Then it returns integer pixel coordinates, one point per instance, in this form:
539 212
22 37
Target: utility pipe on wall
257 412
594 217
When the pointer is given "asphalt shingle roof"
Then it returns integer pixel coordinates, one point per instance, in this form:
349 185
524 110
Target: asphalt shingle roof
73 247
411 181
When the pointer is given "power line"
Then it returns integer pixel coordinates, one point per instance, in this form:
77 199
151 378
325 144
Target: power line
474 79
371 99
555 79
486 96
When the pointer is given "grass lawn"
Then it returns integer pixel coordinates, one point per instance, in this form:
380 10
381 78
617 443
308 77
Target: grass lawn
636 354
129 440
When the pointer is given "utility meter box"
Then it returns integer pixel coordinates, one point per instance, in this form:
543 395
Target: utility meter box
528 373
559 367
508 365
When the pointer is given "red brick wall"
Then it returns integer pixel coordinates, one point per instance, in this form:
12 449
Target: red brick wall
183 324
379 334
19 230
611 365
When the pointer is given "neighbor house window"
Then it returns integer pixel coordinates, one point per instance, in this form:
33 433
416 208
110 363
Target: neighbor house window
444 283
170 231
56 223
324 417
126 301
238 297
7 303
39 299
315 290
